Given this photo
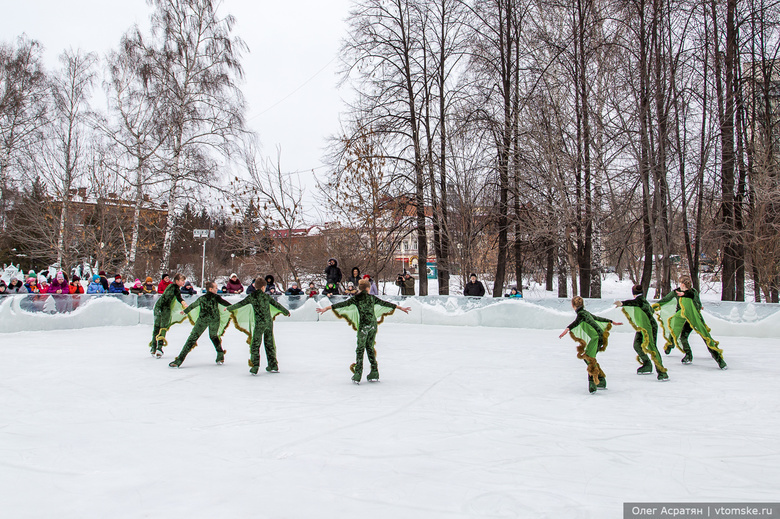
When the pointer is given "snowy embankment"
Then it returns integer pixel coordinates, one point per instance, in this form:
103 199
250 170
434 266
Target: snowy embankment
21 313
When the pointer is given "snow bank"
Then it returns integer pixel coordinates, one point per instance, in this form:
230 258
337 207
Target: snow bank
49 312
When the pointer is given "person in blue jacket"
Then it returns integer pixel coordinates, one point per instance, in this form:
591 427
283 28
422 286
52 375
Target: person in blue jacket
95 286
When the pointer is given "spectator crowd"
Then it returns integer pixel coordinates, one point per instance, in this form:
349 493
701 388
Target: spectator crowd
334 284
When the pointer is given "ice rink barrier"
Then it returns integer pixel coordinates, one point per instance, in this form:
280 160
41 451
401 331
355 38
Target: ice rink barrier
29 312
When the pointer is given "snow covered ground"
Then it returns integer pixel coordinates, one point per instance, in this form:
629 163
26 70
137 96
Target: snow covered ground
467 422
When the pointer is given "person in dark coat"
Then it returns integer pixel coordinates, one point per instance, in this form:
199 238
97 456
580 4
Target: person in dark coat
355 277
117 287
103 280
294 290
270 286
188 289
330 290
474 288
251 287
406 282
333 272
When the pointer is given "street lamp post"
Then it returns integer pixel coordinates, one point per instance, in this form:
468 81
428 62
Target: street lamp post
203 234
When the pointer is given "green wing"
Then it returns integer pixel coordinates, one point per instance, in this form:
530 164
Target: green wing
224 319
275 311
244 320
640 321
588 338
350 314
689 312
380 312
670 330
176 316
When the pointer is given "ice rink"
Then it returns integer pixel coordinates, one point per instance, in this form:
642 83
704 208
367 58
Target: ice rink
466 422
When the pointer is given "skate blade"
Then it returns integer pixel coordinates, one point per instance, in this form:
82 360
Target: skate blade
374 380
356 382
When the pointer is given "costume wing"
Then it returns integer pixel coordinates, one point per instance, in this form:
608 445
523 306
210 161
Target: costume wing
244 320
669 326
380 312
587 337
350 314
640 322
689 312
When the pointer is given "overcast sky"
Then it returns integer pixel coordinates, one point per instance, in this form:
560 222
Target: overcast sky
290 82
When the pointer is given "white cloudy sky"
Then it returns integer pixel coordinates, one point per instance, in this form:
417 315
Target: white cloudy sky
290 69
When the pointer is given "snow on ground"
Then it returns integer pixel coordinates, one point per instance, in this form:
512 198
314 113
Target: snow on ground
467 422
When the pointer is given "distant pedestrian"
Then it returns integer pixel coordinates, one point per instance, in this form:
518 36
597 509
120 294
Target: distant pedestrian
474 288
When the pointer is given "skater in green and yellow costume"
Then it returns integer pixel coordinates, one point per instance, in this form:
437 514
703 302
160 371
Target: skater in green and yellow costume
640 316
590 332
680 314
254 315
167 312
364 313
204 313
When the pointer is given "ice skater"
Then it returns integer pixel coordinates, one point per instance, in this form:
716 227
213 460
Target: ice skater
680 313
364 312
591 335
167 312
640 316
206 313
254 315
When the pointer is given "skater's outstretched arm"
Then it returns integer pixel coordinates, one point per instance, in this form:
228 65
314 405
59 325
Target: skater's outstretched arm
280 306
323 310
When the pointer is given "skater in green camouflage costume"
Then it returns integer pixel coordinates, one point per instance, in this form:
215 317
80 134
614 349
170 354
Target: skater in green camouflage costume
679 312
364 313
206 313
591 337
167 312
254 315
640 316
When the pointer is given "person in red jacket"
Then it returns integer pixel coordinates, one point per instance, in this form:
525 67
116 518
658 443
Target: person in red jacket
75 286
164 282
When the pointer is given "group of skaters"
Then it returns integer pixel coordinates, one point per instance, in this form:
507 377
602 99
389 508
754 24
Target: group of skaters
254 316
679 313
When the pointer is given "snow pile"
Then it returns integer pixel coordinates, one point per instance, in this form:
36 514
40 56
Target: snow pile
49 312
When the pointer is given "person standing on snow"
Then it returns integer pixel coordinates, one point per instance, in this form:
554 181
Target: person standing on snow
474 288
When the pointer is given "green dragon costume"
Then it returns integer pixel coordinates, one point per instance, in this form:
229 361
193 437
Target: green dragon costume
679 316
254 315
208 311
364 313
591 333
167 312
640 314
